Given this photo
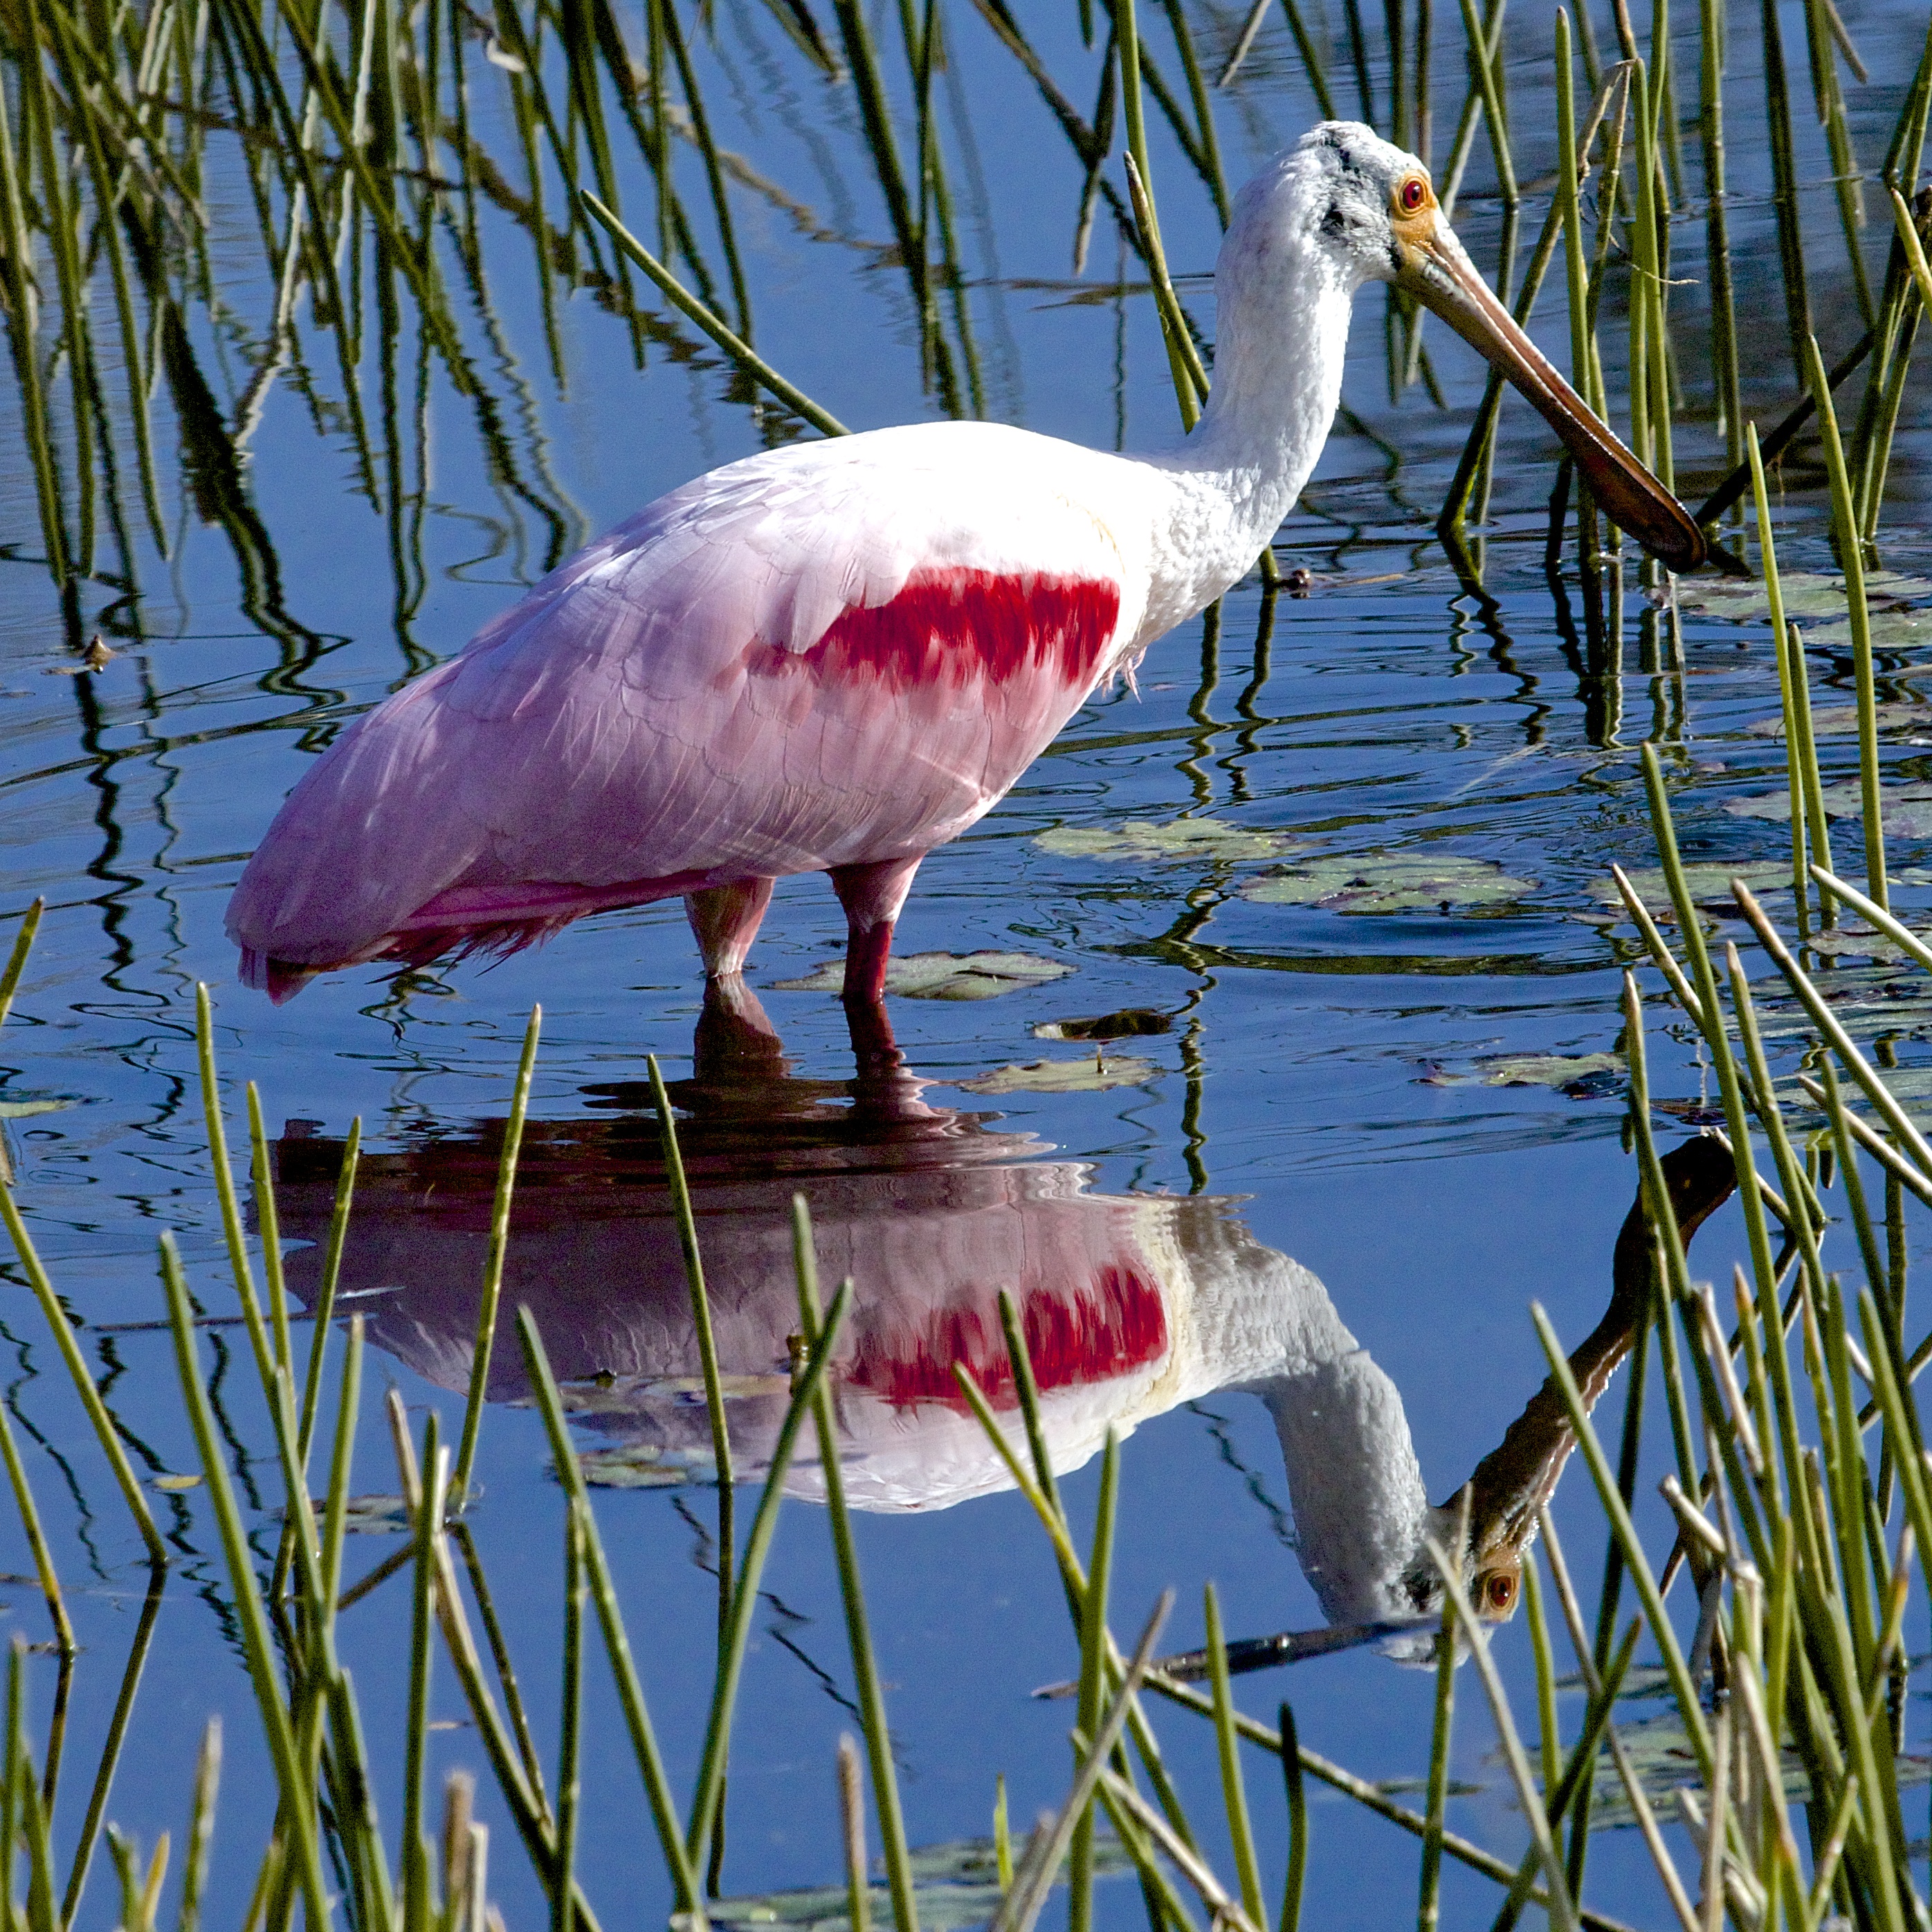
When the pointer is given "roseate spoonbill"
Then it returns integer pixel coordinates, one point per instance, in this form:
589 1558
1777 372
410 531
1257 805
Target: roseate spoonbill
1131 1305
835 656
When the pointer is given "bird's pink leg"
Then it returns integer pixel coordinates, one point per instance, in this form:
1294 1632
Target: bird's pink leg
872 895
726 919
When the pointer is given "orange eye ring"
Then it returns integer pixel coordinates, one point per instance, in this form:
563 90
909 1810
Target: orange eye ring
1412 197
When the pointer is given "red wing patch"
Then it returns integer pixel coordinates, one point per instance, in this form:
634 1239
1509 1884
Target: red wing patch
948 629
1107 1327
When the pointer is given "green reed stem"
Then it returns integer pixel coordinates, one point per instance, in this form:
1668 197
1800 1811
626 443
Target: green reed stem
683 1865
1234 1789
1026 1392
200 1829
436 1491
1550 1737
499 1656
107 1432
324 1311
1851 560
22 306
700 1315
1625 1533
1901 314
1563 1909
1485 68
570 1719
225 1191
267 1228
298 1810
1784 189
1809 825
1827 93
1289 1751
1093 1635
852 1816
819 1336
16 960
37 1541
1021 1906
1184 364
1716 236
740 352
1207 139
1710 1014
764 1522
109 1760
1429 1908
341 1466
485 1345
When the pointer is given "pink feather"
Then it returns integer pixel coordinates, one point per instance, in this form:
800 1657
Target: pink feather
812 660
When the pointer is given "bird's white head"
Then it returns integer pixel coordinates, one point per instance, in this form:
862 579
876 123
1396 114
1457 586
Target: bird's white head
1343 207
1333 201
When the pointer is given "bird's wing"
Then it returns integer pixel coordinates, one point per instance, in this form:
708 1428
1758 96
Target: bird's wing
834 653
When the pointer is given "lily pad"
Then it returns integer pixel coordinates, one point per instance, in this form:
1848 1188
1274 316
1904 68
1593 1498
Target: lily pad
943 975
20 1109
1807 594
955 1886
1836 719
365 1515
1710 886
375 1515
1130 1022
623 1395
1906 809
1890 630
1907 1083
1661 1757
1204 840
1581 1075
1389 882
1856 942
645 1465
1092 1074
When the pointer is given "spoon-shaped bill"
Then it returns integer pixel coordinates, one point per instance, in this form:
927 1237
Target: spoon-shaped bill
1436 269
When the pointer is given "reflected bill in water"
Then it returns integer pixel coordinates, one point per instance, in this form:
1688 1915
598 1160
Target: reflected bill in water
1130 1305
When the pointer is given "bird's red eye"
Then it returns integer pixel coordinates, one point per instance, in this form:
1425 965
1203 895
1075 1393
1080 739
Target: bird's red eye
1413 195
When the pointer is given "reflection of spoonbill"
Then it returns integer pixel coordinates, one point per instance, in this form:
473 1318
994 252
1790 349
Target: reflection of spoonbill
1130 1305
836 656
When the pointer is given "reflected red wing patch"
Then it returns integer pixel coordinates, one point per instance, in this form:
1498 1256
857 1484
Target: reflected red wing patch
1109 1326
948 629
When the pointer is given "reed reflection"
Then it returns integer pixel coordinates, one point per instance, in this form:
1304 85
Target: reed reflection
1131 1305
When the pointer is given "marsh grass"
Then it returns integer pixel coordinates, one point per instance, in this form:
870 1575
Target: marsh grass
391 162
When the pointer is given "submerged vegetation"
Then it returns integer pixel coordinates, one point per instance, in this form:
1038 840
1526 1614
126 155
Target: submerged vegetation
394 166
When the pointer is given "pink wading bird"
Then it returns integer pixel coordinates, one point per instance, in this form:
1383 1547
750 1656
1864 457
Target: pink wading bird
835 656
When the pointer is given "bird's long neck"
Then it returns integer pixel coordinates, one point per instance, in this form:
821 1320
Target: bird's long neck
1282 333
